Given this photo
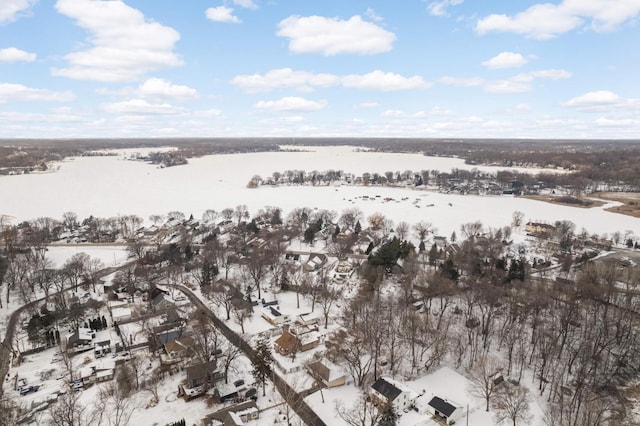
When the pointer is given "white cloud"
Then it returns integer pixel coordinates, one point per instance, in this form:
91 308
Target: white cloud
615 122
18 92
210 113
523 82
433 112
307 81
284 78
10 9
462 81
334 36
125 45
505 60
141 106
222 14
601 100
247 4
385 81
158 88
439 8
11 54
373 15
552 74
545 20
291 103
393 113
369 104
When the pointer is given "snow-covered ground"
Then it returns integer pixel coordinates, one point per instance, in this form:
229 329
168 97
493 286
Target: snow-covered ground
111 186
108 255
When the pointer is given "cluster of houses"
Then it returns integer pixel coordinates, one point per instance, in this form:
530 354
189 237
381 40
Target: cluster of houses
402 398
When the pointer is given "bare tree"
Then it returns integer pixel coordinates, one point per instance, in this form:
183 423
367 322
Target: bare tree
363 413
512 403
402 230
113 407
68 411
423 229
481 376
350 217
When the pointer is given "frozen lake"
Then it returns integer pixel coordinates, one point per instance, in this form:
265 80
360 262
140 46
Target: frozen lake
112 186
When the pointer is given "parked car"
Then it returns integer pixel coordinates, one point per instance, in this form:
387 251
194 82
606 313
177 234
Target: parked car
29 389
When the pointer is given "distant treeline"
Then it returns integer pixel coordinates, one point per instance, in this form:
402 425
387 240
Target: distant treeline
614 162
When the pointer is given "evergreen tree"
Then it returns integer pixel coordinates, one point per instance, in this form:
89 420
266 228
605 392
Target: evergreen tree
388 415
262 363
284 281
433 254
453 237
357 228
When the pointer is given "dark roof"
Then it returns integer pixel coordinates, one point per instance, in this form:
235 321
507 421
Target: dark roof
386 389
442 406
274 312
200 371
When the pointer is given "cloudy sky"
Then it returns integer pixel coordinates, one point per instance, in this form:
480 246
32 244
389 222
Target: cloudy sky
409 68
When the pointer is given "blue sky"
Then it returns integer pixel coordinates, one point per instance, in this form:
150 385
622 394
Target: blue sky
410 68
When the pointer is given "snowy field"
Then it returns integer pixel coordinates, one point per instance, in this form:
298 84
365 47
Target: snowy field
108 255
112 186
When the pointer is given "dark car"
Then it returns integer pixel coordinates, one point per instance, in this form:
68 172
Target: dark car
28 389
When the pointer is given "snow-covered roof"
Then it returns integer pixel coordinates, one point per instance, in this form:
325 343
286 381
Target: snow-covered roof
120 312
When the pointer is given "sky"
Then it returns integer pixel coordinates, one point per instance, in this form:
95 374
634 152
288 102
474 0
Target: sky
303 68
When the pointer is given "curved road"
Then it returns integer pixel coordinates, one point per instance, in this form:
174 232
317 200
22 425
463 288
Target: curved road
5 346
293 398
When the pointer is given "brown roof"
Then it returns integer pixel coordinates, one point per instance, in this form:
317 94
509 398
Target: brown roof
287 341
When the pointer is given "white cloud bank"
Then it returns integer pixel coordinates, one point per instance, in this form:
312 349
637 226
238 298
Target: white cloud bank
291 103
11 54
601 100
335 36
440 8
125 45
546 20
222 14
518 83
18 92
308 81
11 9
505 60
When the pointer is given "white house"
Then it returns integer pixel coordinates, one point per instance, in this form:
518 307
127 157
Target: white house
120 314
386 390
448 410
327 372
310 318
273 316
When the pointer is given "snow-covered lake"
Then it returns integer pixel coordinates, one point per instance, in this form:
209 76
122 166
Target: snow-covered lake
111 186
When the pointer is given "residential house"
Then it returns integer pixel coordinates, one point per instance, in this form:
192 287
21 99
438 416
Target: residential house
273 316
327 373
233 415
226 392
81 337
202 374
536 228
310 318
102 371
386 390
120 314
315 262
162 302
102 343
179 349
445 409
290 343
